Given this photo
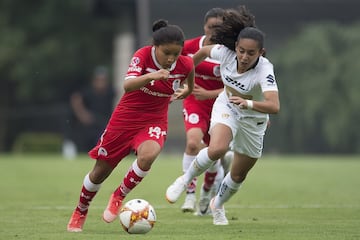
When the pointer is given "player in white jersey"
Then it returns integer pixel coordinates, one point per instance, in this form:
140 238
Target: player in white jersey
197 114
240 113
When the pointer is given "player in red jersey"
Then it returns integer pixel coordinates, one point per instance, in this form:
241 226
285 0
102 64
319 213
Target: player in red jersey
156 75
197 110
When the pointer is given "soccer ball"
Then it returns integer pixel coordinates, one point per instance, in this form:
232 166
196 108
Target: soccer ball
137 216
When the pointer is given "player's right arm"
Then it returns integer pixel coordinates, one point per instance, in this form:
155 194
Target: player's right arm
81 112
135 83
201 54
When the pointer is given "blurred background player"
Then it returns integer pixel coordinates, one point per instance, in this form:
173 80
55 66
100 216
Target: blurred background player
197 110
139 122
91 108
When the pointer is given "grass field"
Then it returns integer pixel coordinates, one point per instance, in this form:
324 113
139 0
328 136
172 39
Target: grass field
284 198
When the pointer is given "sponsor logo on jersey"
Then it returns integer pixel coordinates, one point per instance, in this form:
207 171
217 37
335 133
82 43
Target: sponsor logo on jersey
135 69
152 93
270 78
235 83
134 65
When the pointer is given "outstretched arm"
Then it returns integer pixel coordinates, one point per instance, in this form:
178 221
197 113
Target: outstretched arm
201 54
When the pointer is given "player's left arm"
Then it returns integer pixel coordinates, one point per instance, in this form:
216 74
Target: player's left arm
270 104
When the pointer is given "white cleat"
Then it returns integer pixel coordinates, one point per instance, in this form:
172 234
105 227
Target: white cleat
175 190
190 203
205 197
219 217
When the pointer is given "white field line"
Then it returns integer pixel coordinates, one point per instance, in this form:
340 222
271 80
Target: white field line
283 206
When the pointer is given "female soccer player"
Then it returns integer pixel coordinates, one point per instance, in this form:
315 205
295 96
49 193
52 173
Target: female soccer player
155 76
240 113
197 109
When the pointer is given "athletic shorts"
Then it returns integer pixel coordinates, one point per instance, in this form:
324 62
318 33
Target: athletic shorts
248 133
113 146
197 115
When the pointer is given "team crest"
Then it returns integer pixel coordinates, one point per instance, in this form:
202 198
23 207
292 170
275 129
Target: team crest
216 71
193 118
134 61
176 84
225 115
134 65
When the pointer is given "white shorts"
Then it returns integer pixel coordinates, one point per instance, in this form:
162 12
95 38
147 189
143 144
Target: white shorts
248 132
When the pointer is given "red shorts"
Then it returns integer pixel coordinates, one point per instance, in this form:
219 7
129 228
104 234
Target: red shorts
197 115
114 145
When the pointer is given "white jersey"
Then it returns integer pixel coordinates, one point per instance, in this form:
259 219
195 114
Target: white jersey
251 83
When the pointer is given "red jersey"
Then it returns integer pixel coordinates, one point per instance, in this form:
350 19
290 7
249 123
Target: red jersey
207 73
150 103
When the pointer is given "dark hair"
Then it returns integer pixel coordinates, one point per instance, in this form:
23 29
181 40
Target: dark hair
164 33
214 13
234 20
253 33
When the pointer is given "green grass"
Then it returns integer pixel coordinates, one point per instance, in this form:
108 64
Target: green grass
284 198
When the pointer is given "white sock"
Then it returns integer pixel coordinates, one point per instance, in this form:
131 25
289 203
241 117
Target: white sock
139 172
90 186
218 179
186 162
227 189
215 167
198 165
187 159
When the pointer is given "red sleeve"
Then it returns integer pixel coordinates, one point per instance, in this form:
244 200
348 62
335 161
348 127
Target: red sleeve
137 64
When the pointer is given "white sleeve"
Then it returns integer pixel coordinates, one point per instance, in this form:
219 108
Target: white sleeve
218 52
267 78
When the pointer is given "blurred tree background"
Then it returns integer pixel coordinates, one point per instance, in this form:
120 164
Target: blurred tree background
320 101
49 48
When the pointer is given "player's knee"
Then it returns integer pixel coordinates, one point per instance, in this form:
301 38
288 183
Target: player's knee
192 147
216 152
145 161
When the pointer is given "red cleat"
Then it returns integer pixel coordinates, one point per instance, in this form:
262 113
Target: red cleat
76 222
112 210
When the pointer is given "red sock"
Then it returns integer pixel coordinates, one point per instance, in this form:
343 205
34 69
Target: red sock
192 186
209 180
132 178
85 199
